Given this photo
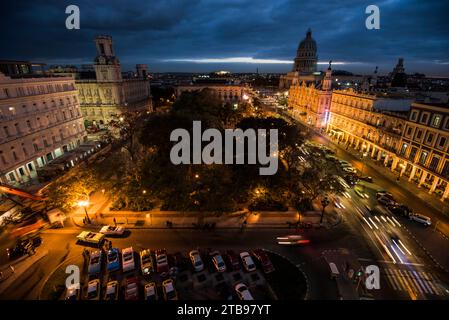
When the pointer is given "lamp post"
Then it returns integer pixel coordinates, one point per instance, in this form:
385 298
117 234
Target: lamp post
325 202
85 204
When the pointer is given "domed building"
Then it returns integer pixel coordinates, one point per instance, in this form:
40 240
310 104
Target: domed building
305 64
306 57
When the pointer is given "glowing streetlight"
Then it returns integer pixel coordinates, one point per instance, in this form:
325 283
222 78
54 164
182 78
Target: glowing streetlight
144 191
84 204
197 176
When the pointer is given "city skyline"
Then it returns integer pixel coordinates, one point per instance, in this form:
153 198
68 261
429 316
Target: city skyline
240 36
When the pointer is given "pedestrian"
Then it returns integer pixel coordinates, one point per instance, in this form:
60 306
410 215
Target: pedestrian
12 268
115 222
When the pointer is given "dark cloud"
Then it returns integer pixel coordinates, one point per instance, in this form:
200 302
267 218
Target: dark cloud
156 30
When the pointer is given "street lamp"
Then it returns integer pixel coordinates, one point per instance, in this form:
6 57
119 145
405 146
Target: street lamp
325 202
84 204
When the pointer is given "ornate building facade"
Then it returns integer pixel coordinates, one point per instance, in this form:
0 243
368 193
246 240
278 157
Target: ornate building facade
108 94
40 120
311 103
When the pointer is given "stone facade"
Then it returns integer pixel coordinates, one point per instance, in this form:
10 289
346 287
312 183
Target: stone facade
40 120
108 95
226 93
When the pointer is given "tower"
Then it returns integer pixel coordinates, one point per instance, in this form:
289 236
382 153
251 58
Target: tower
327 81
142 71
306 55
107 66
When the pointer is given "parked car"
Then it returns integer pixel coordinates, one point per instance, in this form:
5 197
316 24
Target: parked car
247 261
91 238
349 170
233 260
95 259
113 262
131 289
383 193
243 292
22 247
344 163
400 209
264 260
366 178
425 220
111 292
169 290
112 231
72 293
150 291
93 290
386 201
162 262
195 258
128 263
218 262
146 262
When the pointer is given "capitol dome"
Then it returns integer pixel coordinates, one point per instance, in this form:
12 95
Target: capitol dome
306 55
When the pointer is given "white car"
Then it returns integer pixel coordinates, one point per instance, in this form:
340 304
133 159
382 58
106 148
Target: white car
150 291
90 237
72 293
169 290
197 263
248 262
425 220
128 263
111 292
112 231
243 292
93 290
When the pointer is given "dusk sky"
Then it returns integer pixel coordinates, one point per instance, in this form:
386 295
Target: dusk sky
184 35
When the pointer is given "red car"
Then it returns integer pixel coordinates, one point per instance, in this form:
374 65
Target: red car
132 289
162 263
263 259
233 260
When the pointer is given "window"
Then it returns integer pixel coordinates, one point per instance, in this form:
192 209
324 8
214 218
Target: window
434 163
436 121
442 142
5 128
446 124
414 116
404 148
413 154
445 171
423 157
429 138
424 118
409 131
419 134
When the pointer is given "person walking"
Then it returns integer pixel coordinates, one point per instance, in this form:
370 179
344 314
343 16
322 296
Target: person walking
115 222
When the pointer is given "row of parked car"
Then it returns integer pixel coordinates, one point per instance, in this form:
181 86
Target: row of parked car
386 199
131 290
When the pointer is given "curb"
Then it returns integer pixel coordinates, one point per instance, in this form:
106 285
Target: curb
51 273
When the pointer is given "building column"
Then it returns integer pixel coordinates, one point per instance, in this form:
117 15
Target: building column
446 193
412 173
423 178
387 157
434 184
395 163
373 152
379 155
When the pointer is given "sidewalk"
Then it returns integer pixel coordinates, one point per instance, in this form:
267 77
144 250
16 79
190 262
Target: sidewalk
157 219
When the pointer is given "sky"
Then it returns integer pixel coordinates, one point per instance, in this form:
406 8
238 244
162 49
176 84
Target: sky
234 35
